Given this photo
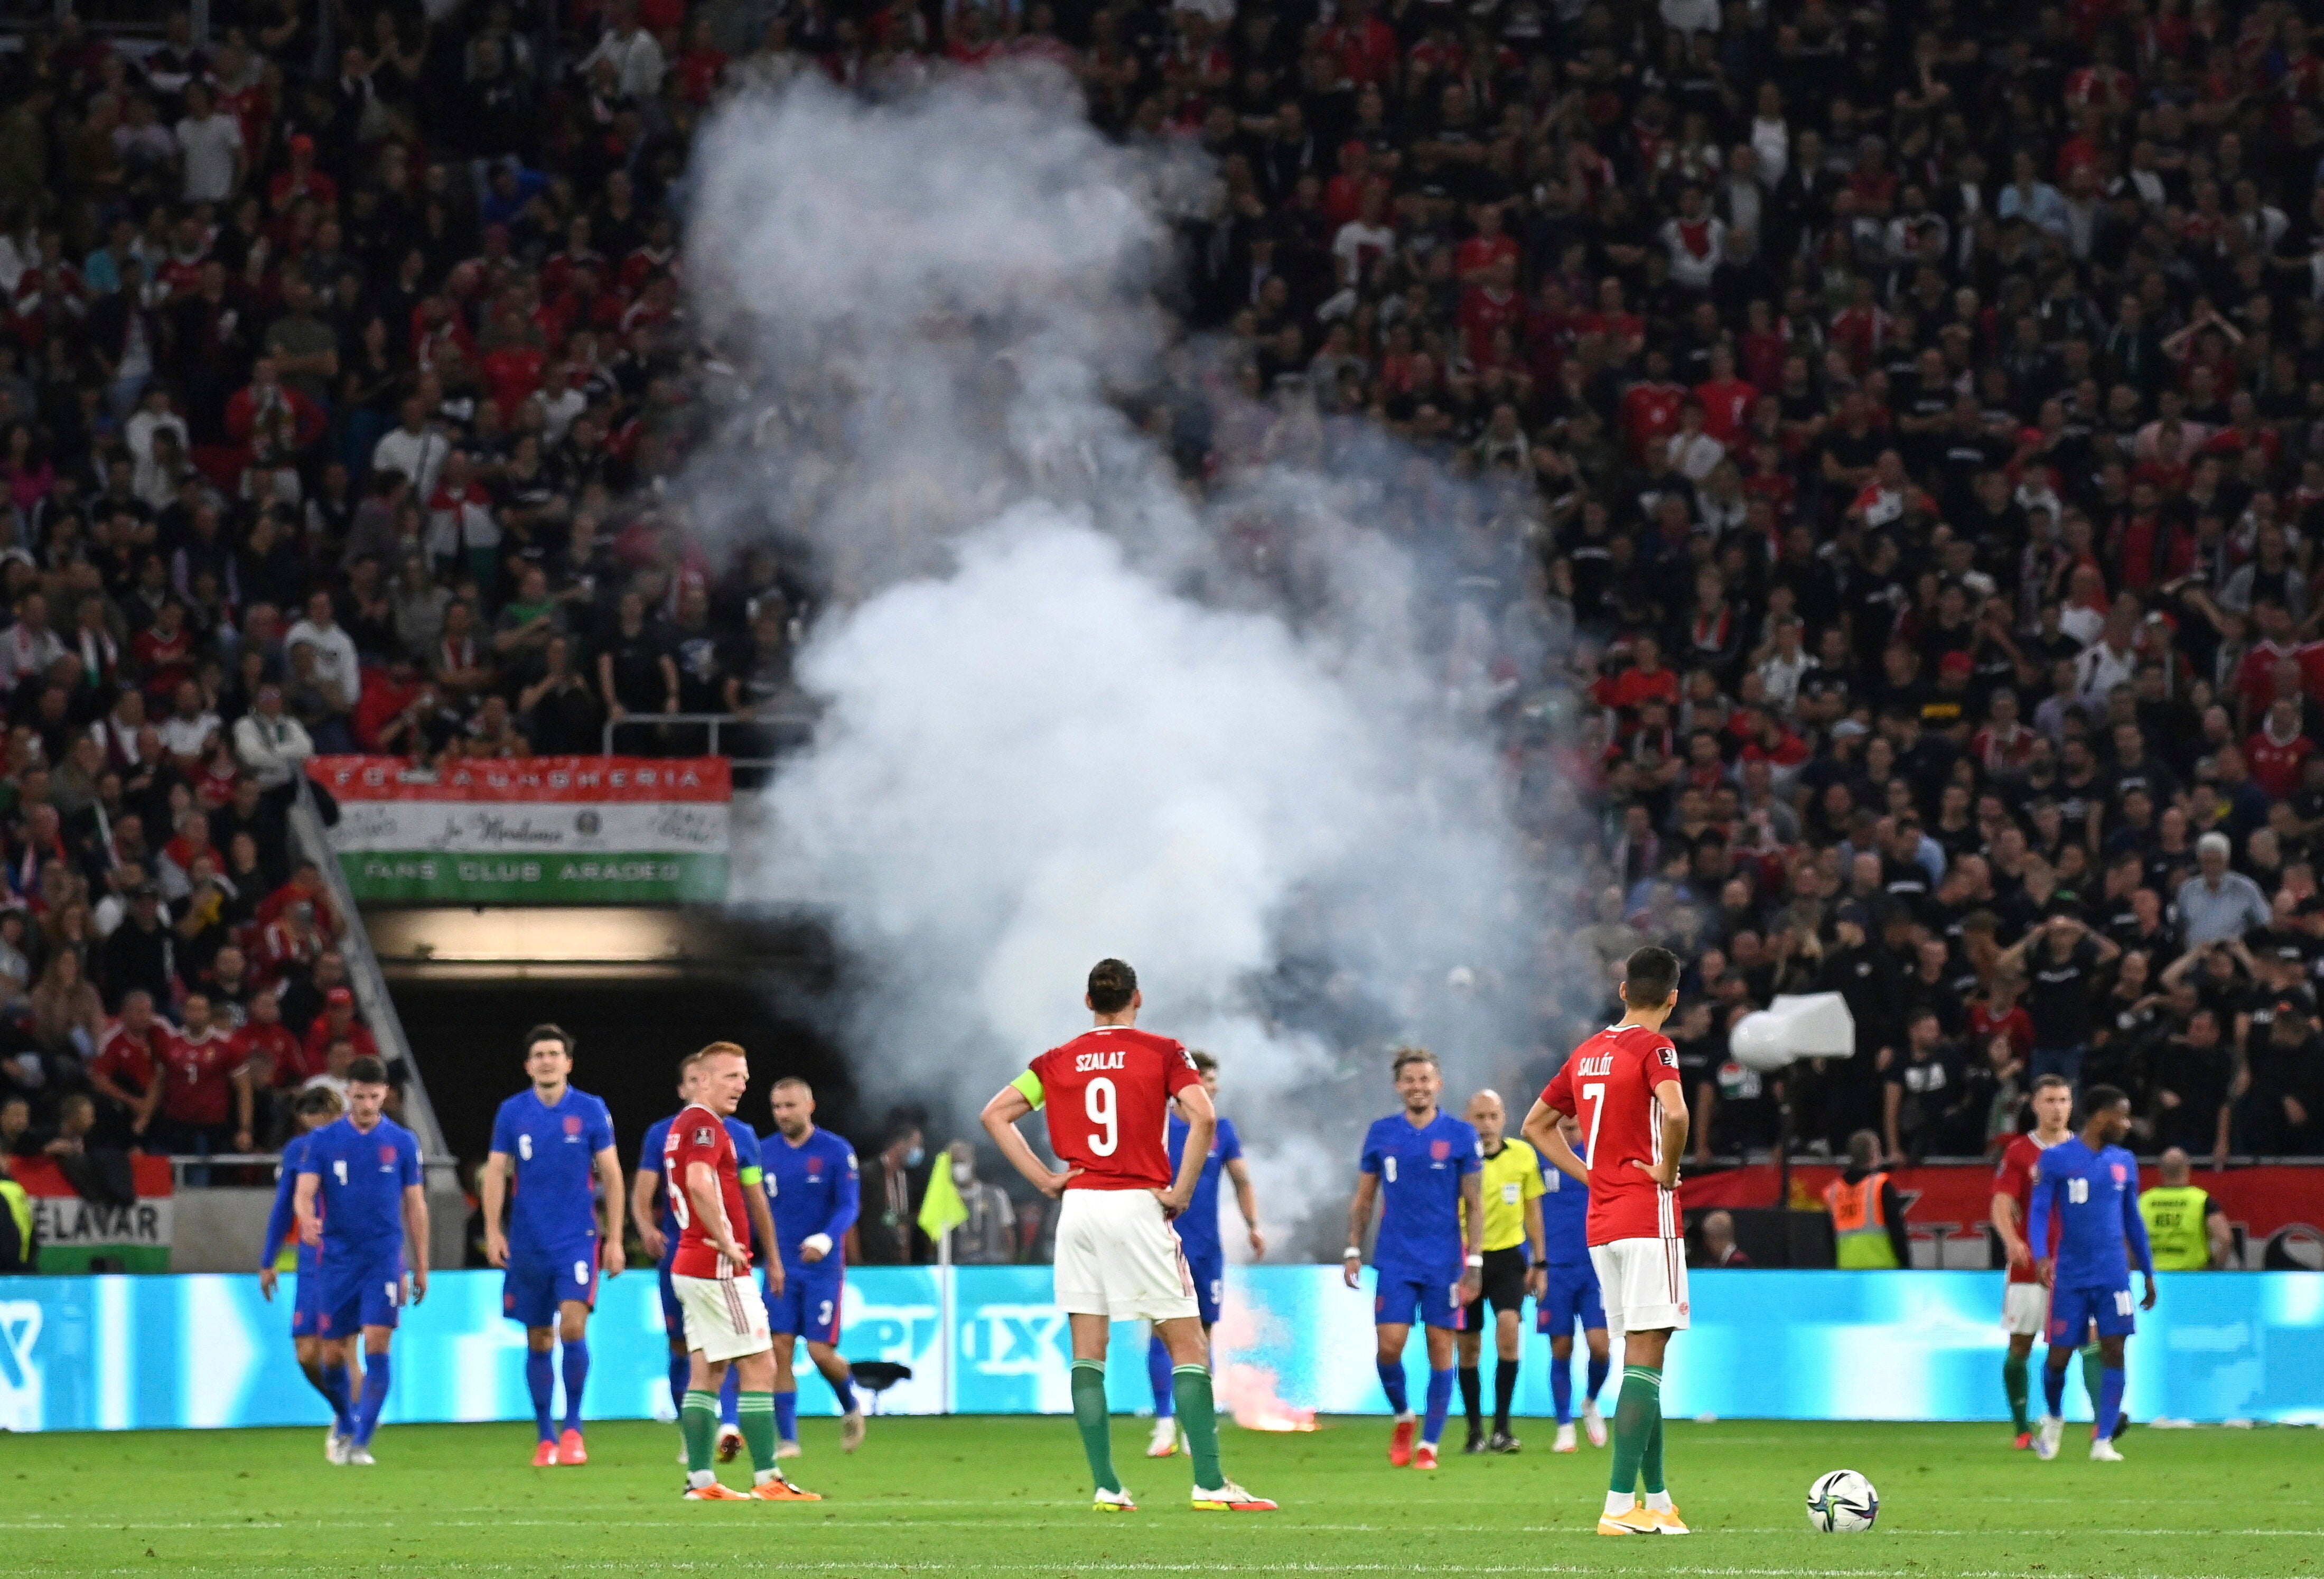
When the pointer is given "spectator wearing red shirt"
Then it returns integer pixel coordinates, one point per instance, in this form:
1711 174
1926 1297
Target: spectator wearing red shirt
1489 307
130 1071
337 1022
1727 399
1650 407
301 180
2275 750
271 1050
305 886
207 1100
1644 681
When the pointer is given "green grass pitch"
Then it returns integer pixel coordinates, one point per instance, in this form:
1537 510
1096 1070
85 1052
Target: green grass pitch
996 1497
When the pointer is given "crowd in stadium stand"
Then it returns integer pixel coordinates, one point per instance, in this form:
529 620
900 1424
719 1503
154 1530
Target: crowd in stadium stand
1881 450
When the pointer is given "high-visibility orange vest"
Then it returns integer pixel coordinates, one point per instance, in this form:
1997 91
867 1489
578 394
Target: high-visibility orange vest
1860 1232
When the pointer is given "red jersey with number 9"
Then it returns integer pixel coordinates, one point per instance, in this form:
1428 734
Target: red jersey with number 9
1108 1094
699 1135
1609 1084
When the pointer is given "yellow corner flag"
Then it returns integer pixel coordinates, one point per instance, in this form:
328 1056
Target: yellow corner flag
942 1209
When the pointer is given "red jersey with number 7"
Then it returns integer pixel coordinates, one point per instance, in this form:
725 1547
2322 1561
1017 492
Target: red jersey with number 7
1609 1085
1108 1094
699 1135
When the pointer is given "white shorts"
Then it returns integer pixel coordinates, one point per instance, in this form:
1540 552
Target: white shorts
726 1318
1642 1283
2025 1307
1118 1257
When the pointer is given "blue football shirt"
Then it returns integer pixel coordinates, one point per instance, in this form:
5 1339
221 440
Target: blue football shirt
1198 1225
746 1165
1420 1171
553 1152
362 1175
812 1187
1564 1218
282 1222
2095 1197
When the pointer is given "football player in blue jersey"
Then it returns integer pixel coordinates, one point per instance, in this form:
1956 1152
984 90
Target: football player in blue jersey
2091 1184
359 1203
656 1225
1422 1167
1571 1296
1198 1235
816 1192
316 1106
556 1145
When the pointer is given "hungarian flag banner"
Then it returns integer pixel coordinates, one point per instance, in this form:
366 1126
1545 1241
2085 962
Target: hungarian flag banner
535 831
75 1234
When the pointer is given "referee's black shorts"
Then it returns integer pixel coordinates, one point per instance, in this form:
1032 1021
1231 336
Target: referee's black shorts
1504 1284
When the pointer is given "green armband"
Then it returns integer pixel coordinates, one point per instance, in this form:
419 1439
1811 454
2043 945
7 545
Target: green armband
1030 1084
749 1176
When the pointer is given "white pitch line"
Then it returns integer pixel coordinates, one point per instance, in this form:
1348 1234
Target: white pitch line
1071 1567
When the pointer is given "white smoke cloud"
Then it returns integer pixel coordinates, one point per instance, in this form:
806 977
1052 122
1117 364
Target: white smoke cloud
1069 713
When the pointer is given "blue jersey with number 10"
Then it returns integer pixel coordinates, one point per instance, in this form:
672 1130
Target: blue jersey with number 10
2095 1195
1420 1170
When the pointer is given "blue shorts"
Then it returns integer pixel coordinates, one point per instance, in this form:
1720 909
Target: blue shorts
538 1283
307 1297
808 1306
1209 1270
673 1315
1404 1294
2072 1310
357 1290
1571 1296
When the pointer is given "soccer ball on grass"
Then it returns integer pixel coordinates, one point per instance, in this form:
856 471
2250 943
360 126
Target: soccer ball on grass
1843 1502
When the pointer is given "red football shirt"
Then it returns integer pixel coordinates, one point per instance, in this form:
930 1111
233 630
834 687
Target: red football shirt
697 1135
201 1077
2014 1178
1608 1083
1108 1094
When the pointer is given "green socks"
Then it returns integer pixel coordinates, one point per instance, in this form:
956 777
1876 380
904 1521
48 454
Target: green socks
1650 1463
698 1421
2014 1381
755 1413
1090 1416
1637 1421
1198 1417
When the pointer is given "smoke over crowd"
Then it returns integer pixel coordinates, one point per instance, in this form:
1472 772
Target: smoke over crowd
1073 702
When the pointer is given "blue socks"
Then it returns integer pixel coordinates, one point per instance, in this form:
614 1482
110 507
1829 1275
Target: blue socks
1391 1375
681 1371
1440 1401
787 1416
843 1387
726 1396
1158 1377
1561 1387
2110 1385
539 1380
335 1392
1598 1369
2053 1385
374 1397
577 1375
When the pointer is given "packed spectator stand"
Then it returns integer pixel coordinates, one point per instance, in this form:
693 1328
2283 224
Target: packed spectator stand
1881 452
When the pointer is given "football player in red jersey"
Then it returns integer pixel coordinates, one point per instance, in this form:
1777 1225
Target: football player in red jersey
1623 1085
1108 1093
725 1318
2025 1304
